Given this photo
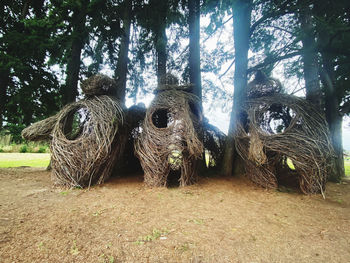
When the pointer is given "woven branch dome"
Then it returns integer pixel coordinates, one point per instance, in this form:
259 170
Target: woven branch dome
99 84
263 86
282 127
169 140
86 154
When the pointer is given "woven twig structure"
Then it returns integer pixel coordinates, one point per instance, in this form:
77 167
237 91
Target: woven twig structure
41 130
99 84
169 140
263 86
87 137
86 155
283 126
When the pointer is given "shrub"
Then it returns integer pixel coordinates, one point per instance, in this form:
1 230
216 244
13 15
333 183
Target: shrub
1 150
7 149
23 149
42 149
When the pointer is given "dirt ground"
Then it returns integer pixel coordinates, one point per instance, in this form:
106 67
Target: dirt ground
217 220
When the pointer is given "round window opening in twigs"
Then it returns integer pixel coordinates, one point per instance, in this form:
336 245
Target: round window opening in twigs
304 143
161 118
170 138
276 118
75 122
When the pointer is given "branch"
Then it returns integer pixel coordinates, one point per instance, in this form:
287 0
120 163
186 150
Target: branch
296 91
281 29
229 67
282 10
217 27
272 60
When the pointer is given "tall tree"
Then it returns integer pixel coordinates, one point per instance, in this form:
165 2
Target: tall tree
160 37
122 64
152 19
28 88
242 10
77 42
194 47
309 55
333 34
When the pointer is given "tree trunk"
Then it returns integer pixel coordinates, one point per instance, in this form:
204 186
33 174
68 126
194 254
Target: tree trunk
161 39
334 119
74 60
310 60
194 47
4 81
122 64
332 99
241 32
25 9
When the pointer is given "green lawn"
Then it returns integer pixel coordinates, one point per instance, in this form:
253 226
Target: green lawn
347 167
24 159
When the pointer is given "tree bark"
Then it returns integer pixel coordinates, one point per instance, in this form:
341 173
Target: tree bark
241 31
194 47
333 117
122 64
4 81
332 98
74 55
161 38
310 60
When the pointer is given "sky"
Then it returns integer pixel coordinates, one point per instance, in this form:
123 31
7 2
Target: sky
346 133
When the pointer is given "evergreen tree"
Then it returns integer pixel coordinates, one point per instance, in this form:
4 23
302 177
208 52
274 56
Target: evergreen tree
241 10
28 87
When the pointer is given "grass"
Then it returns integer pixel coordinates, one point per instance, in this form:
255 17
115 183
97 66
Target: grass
347 167
24 159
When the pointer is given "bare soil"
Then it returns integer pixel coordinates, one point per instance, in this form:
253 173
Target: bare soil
217 220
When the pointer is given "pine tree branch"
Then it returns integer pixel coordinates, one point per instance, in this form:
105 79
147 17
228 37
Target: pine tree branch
229 67
282 10
271 60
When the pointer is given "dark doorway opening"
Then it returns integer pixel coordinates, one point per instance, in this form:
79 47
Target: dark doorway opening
173 179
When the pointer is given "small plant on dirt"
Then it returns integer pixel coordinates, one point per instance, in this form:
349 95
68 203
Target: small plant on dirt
156 233
74 249
23 149
107 259
41 245
185 247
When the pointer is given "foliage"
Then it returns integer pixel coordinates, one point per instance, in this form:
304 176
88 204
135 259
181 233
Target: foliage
23 149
